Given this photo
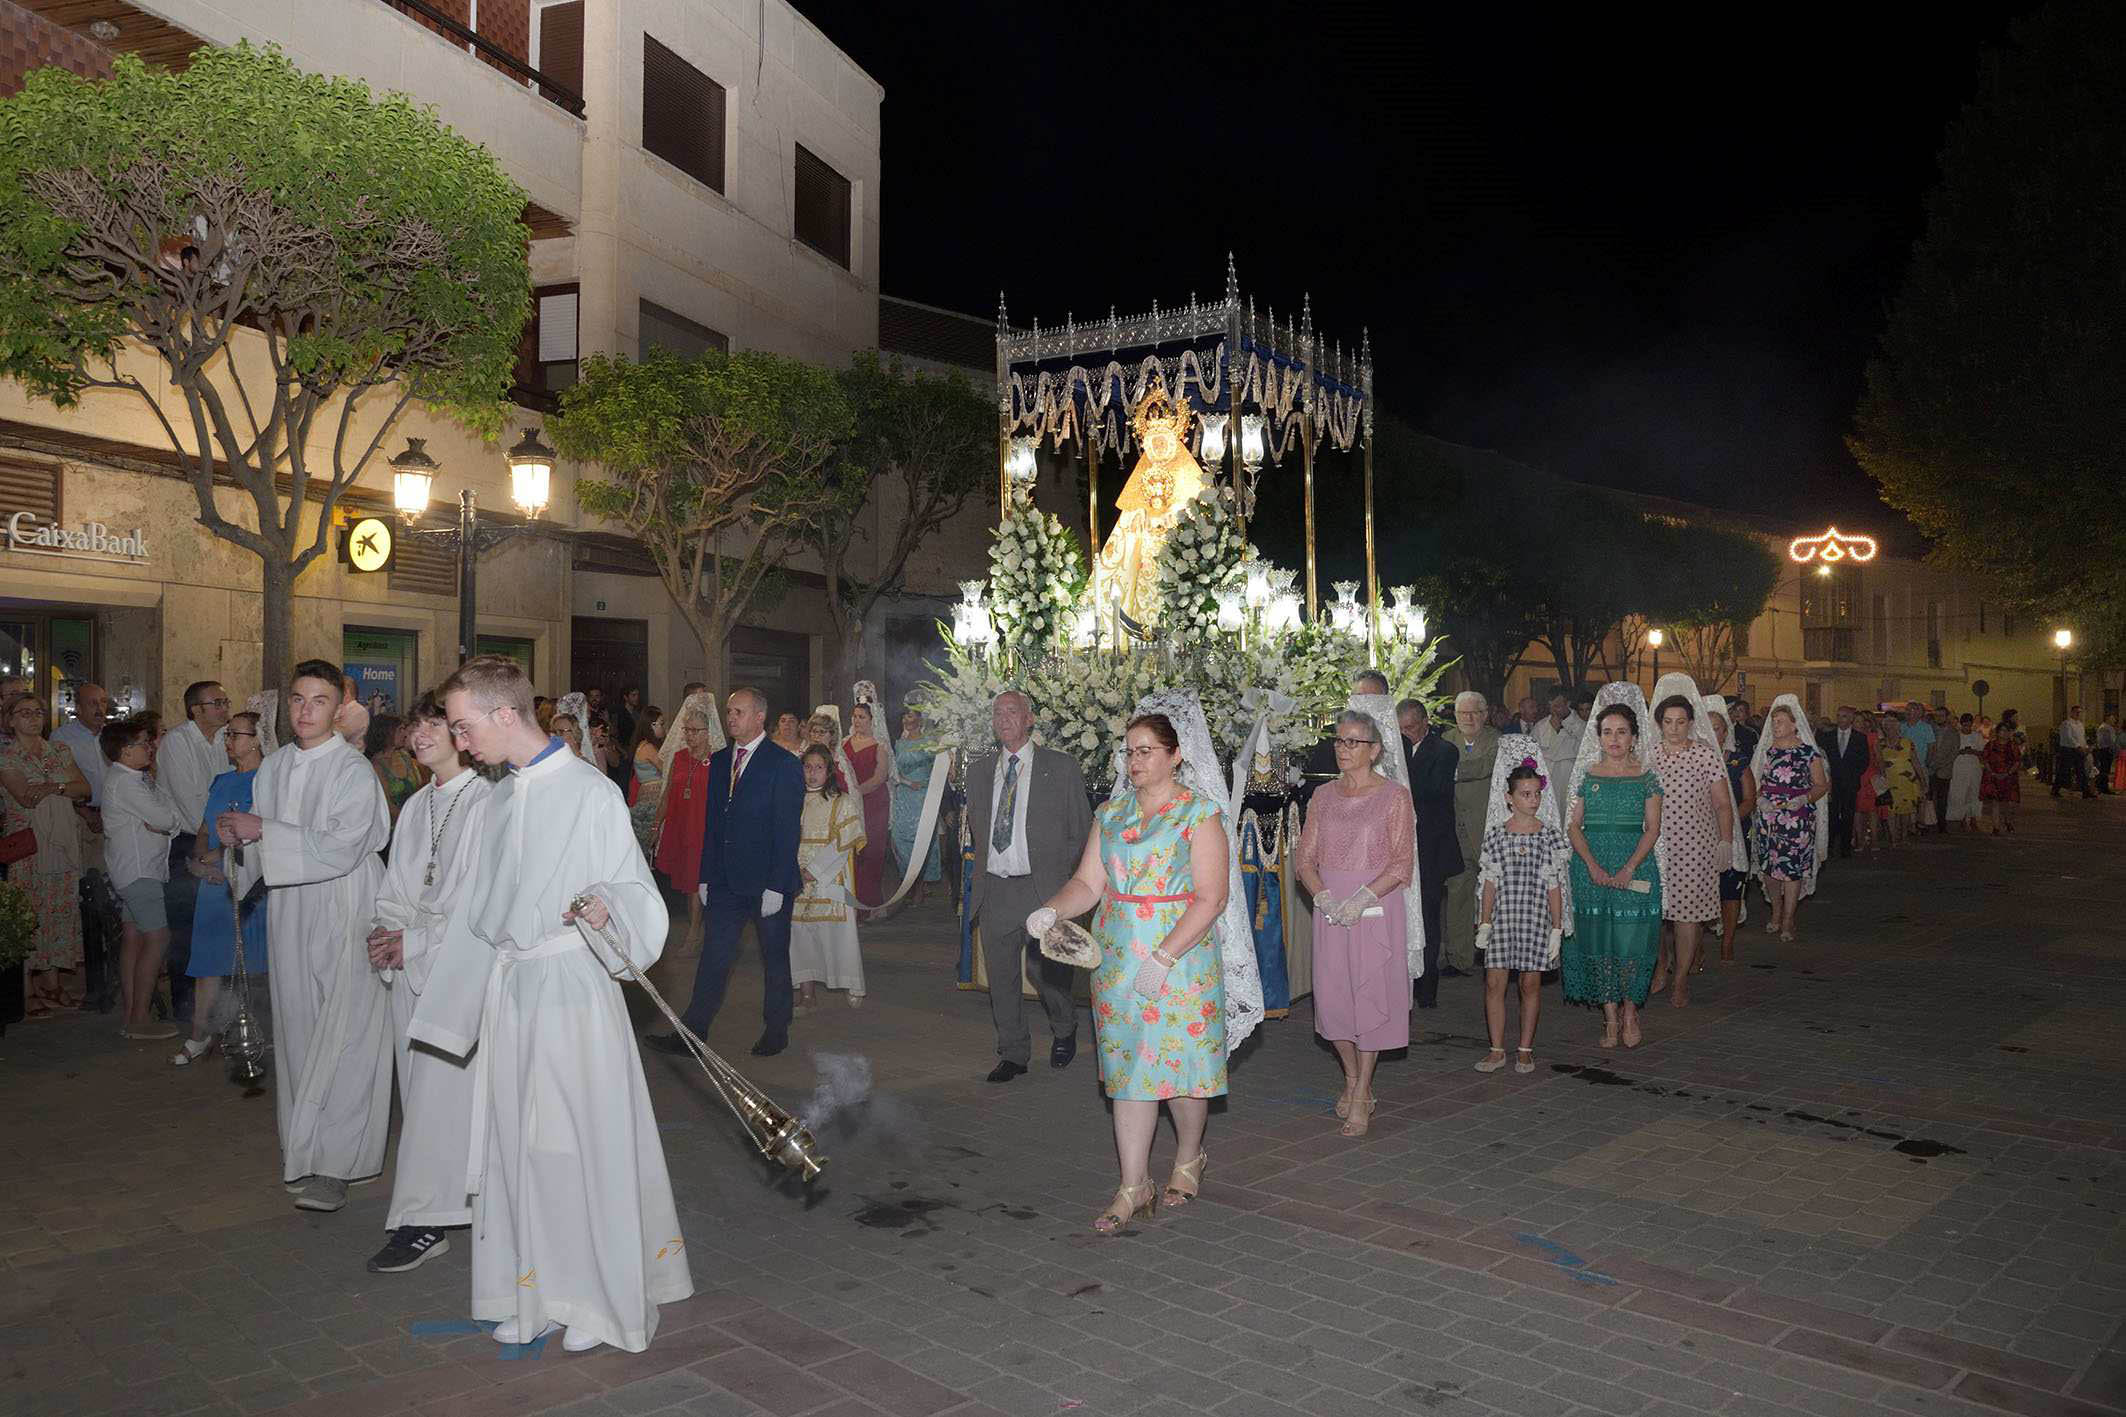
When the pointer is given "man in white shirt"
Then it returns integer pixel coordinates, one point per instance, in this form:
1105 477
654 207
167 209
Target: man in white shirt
92 707
318 822
187 761
79 736
433 852
1559 734
2071 756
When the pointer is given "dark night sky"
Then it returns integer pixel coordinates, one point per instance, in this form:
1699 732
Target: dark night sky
1654 257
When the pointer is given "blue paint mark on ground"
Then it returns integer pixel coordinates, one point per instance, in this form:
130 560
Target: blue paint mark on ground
452 1328
1566 1260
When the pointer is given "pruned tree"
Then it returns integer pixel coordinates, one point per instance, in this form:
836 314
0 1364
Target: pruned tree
302 260
719 465
932 440
1711 582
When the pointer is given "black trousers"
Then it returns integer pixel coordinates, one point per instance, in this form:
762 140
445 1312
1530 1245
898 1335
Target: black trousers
1842 818
1941 806
2104 758
1432 892
2070 765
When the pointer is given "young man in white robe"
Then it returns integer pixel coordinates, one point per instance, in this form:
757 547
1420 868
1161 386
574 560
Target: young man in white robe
573 1220
318 821
433 851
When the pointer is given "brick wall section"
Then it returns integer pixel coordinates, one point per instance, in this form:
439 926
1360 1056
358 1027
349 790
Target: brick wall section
29 41
507 25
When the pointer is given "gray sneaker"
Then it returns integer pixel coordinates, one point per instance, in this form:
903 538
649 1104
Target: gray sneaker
323 1193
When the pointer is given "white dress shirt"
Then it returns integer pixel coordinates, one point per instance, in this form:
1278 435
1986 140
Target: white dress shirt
138 821
2071 734
1845 738
1014 861
751 749
81 740
187 763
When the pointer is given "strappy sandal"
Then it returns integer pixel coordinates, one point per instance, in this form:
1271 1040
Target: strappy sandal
1187 1181
1128 1201
1343 1106
1609 1035
1526 1062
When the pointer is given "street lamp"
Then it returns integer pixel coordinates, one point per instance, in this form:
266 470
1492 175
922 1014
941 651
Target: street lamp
2063 640
1654 638
413 474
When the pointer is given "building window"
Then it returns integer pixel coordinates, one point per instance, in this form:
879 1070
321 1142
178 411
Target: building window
557 44
822 208
1881 629
546 351
664 329
682 114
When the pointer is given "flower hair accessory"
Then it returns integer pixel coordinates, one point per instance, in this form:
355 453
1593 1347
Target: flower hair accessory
1542 780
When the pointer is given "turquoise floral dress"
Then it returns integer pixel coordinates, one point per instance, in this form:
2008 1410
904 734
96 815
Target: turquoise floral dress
1174 1047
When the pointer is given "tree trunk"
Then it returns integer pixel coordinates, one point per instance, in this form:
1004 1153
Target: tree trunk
275 658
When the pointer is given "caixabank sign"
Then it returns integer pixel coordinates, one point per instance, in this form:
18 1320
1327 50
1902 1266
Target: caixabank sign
91 541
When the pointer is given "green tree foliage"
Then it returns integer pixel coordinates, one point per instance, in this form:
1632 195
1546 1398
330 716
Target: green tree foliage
1992 414
923 446
722 465
300 258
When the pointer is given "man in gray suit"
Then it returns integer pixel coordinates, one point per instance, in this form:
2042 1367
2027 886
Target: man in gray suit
1028 819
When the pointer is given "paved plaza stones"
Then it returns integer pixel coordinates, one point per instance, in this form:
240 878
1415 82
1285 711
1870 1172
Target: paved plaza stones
1880 1171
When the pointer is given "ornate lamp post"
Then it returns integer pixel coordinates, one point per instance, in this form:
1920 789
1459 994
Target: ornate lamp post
1654 638
413 474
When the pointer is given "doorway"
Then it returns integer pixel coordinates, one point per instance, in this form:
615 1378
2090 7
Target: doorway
608 655
777 663
54 649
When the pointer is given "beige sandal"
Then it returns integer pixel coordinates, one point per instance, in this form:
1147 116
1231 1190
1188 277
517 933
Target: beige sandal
1187 1181
1359 1123
1128 1201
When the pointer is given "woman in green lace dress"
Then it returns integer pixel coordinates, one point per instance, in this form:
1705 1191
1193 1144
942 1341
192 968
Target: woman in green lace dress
1616 877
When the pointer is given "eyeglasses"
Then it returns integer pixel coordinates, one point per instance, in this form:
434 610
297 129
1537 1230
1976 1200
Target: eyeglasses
464 726
1354 744
1143 754
213 703
240 733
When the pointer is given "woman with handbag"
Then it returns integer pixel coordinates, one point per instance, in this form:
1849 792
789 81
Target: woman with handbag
42 849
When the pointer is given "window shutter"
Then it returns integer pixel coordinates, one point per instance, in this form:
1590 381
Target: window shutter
27 485
425 565
822 208
682 114
557 328
561 45
659 328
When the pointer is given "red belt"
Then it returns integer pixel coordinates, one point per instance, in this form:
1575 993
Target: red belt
1151 899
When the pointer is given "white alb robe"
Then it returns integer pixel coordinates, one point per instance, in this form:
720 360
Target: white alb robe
324 819
438 836
573 1220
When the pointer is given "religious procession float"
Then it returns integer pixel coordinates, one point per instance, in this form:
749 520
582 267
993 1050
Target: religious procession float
1194 401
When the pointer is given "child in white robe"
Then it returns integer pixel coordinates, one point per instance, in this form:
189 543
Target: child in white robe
573 1218
823 945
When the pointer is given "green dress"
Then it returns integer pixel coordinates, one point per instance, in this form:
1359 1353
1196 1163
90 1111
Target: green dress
1174 1046
1609 958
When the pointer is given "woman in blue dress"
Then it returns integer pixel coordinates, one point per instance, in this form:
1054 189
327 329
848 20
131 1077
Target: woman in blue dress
911 780
214 918
1615 830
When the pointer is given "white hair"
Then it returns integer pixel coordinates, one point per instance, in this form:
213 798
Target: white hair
1470 696
1024 702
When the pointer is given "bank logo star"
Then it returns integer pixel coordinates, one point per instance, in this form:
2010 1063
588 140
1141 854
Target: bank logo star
369 544
365 544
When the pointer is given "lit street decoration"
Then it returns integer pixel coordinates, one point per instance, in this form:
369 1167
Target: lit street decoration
1831 545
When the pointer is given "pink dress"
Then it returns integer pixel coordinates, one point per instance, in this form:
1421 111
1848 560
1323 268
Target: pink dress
1361 971
871 861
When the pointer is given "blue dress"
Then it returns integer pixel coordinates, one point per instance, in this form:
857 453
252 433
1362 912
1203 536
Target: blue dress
213 920
907 807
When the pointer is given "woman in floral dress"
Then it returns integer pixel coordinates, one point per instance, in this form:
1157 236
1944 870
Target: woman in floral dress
1791 775
1900 769
2000 783
1156 865
1616 879
1697 834
43 784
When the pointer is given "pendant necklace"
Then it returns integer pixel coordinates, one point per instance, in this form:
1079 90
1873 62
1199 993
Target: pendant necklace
435 837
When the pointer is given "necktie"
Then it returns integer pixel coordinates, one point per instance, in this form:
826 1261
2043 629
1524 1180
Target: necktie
1007 807
738 765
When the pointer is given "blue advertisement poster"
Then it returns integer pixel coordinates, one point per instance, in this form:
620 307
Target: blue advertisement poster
375 677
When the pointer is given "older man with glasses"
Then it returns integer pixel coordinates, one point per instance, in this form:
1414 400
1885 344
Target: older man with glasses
187 761
1476 746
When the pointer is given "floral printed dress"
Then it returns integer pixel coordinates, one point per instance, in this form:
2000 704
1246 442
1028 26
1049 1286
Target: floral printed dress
1174 1046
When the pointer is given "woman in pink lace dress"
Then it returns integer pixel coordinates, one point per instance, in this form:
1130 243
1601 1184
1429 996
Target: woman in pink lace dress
1355 856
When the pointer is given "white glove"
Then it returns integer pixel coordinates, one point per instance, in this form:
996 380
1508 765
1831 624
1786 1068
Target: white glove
703 893
1328 905
771 903
1040 922
1151 978
1483 936
1557 947
1357 905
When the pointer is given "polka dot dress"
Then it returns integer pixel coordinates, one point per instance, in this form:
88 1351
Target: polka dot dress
1690 838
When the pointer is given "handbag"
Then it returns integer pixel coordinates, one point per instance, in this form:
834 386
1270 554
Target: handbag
18 846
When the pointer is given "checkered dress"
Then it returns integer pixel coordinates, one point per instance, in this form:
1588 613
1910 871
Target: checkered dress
1524 867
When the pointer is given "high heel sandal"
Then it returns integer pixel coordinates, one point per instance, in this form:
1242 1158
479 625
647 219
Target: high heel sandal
1187 1181
1358 1123
1124 1207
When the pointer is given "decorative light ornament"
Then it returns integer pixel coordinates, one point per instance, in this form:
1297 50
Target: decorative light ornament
1406 619
413 475
1213 446
2062 640
1084 626
971 620
1284 613
1020 465
1654 638
1253 443
531 471
1347 615
1831 545
1258 589
1232 607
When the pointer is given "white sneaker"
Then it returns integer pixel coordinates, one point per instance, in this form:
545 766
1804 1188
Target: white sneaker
578 1340
510 1331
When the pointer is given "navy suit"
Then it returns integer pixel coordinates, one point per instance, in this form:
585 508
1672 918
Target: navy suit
749 845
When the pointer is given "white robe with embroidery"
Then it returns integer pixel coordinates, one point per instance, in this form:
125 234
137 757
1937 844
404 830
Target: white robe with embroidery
435 1089
573 1220
324 819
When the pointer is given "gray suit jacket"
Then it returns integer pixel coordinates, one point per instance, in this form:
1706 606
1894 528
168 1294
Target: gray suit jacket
1058 819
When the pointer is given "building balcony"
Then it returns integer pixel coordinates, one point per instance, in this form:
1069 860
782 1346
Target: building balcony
507 52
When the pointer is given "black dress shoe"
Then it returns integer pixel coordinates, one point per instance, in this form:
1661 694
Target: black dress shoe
1065 1049
1005 1070
769 1045
666 1043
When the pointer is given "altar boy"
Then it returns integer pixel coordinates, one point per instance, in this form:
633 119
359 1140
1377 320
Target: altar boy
573 1220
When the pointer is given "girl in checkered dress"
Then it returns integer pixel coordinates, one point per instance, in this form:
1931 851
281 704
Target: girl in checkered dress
1520 870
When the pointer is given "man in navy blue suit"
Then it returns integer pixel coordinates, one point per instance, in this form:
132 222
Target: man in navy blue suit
748 870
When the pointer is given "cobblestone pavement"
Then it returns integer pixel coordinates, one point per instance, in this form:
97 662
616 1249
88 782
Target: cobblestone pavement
1879 1171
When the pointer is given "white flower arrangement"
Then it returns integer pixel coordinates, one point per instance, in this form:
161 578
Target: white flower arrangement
1202 556
1036 573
